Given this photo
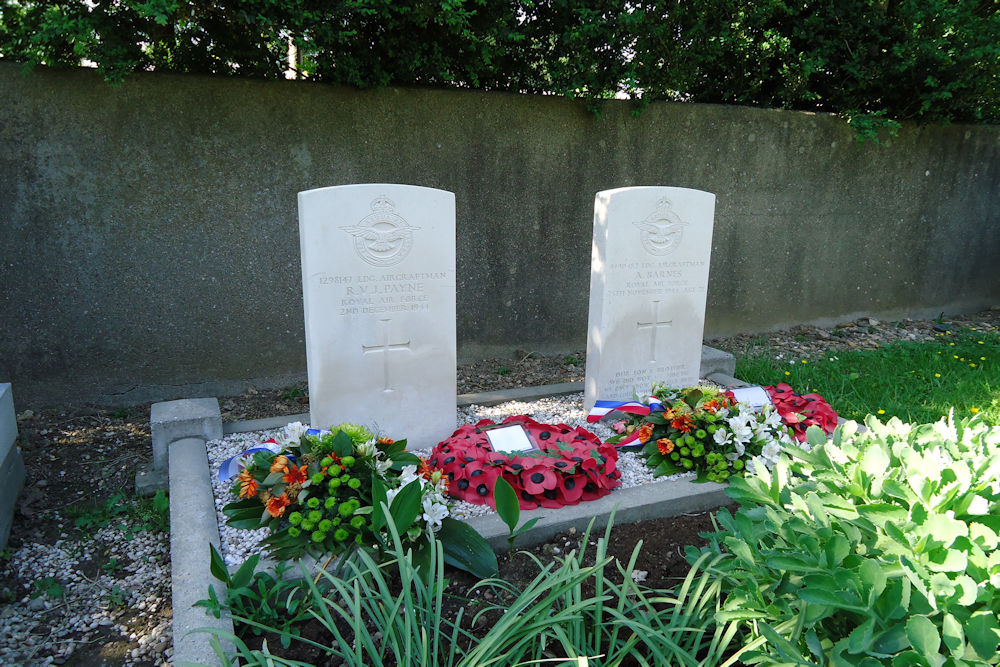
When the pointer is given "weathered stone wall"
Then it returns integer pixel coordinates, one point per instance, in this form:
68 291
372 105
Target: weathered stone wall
149 240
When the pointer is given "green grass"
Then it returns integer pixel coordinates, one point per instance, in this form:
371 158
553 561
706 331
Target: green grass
918 382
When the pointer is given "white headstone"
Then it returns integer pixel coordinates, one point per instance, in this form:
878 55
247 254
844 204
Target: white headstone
648 285
378 281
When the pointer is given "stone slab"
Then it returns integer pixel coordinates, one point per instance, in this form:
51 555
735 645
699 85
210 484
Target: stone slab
11 463
649 501
378 282
193 527
649 283
186 418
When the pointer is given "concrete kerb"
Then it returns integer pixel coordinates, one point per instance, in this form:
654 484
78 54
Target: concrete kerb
180 430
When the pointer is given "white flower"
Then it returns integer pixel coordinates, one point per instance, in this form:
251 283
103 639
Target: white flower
292 434
434 512
367 448
721 436
771 451
740 451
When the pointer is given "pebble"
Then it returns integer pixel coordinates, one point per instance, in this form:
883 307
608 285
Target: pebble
238 545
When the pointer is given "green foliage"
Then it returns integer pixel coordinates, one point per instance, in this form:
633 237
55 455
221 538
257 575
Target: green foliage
129 514
388 613
263 598
879 548
873 61
509 510
48 586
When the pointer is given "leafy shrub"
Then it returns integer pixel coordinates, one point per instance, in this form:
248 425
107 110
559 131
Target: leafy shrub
870 60
879 548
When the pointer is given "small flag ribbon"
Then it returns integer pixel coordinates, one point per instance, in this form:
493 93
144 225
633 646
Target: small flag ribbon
231 466
603 408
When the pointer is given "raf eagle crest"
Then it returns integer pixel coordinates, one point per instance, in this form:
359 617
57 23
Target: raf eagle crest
382 238
662 230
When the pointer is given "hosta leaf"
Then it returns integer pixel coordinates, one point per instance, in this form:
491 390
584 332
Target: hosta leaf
983 632
923 635
860 639
891 640
837 548
953 635
873 576
945 529
947 560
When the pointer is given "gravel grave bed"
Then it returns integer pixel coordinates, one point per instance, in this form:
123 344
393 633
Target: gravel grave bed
238 545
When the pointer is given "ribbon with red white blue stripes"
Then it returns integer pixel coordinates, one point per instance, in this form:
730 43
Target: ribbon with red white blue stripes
231 467
602 409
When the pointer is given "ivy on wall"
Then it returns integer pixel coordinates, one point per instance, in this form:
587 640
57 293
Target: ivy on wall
874 61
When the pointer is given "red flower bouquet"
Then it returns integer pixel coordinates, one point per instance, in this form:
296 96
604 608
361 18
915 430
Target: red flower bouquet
799 412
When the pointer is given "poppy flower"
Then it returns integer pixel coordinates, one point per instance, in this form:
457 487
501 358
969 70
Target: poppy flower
538 479
276 505
571 489
248 485
295 474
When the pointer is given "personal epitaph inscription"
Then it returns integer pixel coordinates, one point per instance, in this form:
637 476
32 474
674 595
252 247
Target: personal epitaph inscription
378 276
648 285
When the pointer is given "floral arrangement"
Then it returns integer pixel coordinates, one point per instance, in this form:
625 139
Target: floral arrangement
701 429
570 465
799 412
320 491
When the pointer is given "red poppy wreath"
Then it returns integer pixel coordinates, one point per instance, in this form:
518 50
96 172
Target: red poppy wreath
570 465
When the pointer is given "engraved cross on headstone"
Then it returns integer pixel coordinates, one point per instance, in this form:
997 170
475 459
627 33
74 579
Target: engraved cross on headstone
655 324
385 348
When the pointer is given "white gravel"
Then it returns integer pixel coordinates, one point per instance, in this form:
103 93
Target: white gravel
238 545
36 630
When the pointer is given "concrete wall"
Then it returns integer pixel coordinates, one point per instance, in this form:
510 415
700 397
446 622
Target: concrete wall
149 244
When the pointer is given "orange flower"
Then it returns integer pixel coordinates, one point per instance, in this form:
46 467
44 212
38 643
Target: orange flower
645 433
711 407
295 475
279 464
385 441
664 446
276 505
684 423
248 485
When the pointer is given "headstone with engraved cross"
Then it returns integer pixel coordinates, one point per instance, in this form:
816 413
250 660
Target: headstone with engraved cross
378 282
648 285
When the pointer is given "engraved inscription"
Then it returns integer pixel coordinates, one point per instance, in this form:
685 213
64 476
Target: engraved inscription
655 324
662 231
385 347
382 238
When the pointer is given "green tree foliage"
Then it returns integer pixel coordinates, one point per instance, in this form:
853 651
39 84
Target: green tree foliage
874 61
